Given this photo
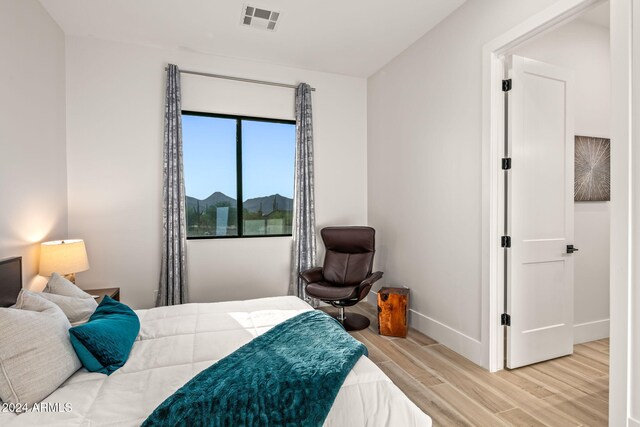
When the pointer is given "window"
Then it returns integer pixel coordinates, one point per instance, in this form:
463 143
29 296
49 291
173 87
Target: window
238 175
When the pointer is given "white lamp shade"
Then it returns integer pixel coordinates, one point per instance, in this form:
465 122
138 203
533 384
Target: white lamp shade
63 256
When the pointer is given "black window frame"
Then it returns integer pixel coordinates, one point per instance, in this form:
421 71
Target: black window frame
239 195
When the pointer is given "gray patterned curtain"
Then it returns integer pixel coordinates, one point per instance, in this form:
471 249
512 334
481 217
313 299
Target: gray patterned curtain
173 275
304 219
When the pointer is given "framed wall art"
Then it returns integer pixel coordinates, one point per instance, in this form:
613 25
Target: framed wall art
592 169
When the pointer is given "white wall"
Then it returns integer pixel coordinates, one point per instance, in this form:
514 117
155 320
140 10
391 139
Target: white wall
115 102
425 170
33 180
584 48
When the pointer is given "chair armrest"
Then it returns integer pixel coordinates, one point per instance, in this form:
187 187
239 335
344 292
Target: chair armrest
312 275
367 283
374 277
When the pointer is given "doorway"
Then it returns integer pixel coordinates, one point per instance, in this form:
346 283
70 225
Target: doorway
624 385
580 47
527 39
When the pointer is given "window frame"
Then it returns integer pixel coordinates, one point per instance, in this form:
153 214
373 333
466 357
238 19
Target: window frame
239 195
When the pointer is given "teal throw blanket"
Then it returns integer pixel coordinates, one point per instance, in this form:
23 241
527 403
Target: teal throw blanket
289 376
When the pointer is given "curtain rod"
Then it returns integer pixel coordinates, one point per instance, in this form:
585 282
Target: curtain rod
239 79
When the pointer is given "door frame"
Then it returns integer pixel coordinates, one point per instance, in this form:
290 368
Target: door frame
624 382
493 144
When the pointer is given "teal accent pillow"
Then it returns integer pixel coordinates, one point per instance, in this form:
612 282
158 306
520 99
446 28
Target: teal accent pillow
104 342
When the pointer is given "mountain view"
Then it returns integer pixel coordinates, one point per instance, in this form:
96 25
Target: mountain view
266 204
217 215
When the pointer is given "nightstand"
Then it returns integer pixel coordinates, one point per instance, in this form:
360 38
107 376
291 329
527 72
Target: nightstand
112 292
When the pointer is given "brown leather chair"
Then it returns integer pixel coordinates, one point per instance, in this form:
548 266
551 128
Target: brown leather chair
346 276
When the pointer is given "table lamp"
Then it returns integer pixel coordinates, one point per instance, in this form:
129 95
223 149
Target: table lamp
66 257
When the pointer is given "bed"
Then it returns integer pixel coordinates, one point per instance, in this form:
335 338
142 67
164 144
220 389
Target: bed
175 343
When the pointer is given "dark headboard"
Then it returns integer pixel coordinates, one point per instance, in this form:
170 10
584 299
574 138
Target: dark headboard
10 280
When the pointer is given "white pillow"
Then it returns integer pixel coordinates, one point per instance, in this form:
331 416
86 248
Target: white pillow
36 355
77 310
76 304
60 286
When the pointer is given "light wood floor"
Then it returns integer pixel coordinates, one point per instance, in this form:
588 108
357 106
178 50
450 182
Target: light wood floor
569 391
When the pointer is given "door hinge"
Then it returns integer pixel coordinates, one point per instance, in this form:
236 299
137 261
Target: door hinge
506 85
506 163
505 241
505 319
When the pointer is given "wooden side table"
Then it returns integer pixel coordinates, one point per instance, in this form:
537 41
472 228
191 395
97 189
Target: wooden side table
99 294
393 308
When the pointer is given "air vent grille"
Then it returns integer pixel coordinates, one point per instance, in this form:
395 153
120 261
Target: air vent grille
259 18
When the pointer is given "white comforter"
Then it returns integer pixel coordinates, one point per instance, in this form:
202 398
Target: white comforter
176 343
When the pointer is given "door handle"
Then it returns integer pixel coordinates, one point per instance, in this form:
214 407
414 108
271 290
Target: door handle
571 249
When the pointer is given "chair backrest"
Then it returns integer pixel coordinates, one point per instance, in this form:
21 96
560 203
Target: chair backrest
349 254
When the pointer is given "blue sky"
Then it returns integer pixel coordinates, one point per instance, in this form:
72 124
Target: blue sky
210 157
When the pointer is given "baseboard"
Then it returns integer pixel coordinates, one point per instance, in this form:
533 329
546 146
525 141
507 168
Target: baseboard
472 348
445 335
590 331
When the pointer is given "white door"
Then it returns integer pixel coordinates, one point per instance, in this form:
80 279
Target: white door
540 213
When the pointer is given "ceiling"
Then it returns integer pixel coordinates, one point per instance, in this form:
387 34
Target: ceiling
599 15
352 37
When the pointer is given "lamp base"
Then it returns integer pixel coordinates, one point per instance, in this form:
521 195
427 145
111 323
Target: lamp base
70 277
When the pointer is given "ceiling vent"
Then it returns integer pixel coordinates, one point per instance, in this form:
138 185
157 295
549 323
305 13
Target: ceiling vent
259 18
